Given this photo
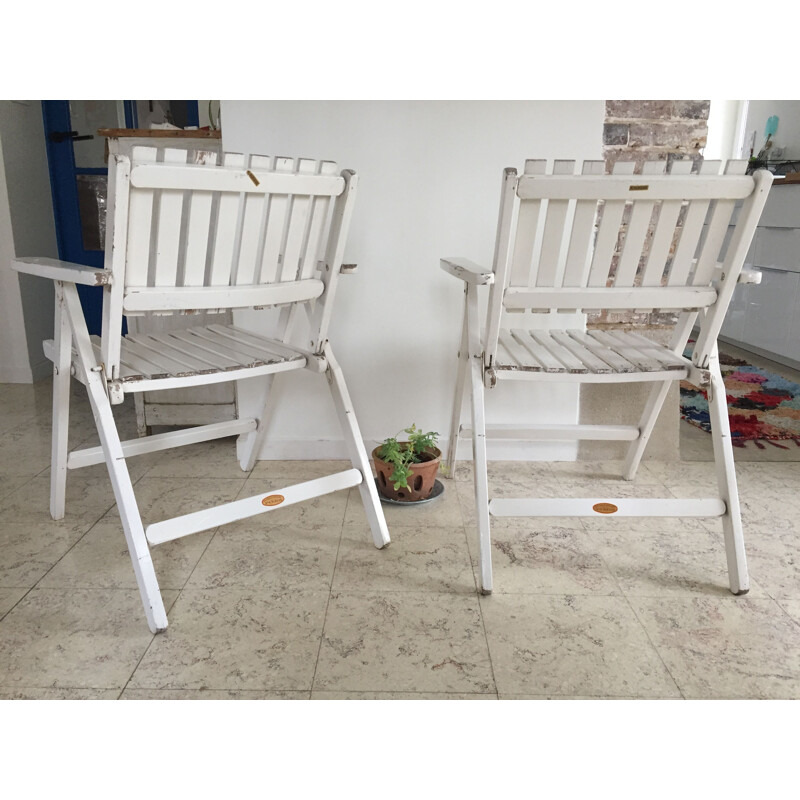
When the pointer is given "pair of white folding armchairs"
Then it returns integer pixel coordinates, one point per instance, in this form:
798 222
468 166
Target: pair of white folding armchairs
270 232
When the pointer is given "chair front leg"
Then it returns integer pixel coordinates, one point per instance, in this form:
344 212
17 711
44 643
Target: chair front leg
726 480
458 398
480 466
117 469
355 448
61 389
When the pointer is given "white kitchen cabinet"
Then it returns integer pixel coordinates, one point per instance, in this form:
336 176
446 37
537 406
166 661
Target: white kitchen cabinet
768 311
765 318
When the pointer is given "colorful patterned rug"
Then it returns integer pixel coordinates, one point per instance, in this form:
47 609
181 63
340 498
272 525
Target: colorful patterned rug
763 407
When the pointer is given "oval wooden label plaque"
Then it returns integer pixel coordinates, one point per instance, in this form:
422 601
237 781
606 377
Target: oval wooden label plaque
273 500
605 508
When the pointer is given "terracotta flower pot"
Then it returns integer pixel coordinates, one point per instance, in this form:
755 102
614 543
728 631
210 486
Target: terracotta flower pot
420 482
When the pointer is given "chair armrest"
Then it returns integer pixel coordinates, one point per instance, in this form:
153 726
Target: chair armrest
62 271
467 270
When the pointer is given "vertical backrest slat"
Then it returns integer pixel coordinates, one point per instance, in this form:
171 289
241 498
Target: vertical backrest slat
552 256
140 221
250 236
576 271
297 229
608 232
276 215
636 233
716 230
527 224
690 232
198 229
318 223
169 215
226 225
664 233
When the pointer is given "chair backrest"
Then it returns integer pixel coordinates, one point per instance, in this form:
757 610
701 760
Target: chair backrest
251 231
623 241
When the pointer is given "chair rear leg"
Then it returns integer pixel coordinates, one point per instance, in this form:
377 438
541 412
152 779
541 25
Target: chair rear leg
458 402
655 401
61 389
254 441
357 451
726 480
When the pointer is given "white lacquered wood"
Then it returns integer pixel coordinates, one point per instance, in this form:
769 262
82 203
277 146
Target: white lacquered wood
610 220
579 254
163 441
194 240
117 468
145 298
272 500
62 271
299 227
553 254
479 455
726 479
467 271
612 433
62 347
198 225
588 507
665 232
168 226
137 225
611 298
695 216
526 229
619 233
356 451
627 187
637 231
235 179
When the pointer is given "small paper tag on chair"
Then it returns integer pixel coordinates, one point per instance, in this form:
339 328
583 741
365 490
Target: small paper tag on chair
273 500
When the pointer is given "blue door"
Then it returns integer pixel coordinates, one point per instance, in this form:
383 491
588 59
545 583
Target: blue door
77 159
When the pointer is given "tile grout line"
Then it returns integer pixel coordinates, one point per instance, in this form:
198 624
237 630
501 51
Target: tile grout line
180 590
330 594
477 594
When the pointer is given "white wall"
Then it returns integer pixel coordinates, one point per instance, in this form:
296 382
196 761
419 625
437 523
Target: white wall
788 134
430 175
724 120
27 229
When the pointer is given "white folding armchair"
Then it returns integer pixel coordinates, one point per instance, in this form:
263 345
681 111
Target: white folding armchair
569 242
253 232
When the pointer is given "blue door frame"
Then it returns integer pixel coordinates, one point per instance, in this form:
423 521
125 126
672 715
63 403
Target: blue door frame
64 188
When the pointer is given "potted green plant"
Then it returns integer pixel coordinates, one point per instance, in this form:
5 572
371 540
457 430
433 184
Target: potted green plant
407 469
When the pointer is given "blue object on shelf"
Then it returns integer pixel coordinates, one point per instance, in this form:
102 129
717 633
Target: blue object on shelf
772 126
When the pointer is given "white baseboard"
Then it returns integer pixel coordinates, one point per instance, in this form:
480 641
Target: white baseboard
11 374
334 450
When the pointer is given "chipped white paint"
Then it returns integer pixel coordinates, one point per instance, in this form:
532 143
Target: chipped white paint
258 259
557 239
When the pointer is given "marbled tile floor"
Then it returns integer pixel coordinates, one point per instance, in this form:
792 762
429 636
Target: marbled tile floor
299 604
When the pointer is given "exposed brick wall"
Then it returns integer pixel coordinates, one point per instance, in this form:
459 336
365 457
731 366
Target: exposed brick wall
639 131
648 130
